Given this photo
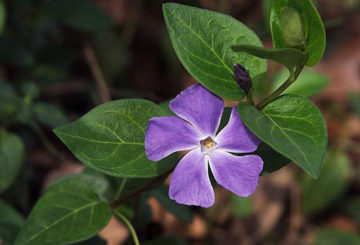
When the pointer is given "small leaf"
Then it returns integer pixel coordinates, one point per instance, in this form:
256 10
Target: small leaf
110 138
309 83
293 126
179 211
49 115
292 27
9 215
316 194
68 212
9 102
313 27
289 57
202 40
30 90
11 157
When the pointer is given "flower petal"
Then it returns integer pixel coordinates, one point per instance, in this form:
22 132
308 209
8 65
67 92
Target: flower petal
165 135
200 107
238 174
236 137
190 183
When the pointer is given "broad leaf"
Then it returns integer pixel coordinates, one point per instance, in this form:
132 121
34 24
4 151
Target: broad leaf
309 83
313 27
202 40
68 212
293 126
96 240
110 138
289 57
316 194
11 157
272 159
179 211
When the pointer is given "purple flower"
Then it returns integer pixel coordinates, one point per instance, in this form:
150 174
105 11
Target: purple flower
194 128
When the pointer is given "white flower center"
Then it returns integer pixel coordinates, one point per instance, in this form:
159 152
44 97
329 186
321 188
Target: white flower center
208 145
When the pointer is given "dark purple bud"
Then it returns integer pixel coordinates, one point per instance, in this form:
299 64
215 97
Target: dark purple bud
242 78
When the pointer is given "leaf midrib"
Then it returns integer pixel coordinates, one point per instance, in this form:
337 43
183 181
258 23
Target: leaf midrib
75 211
202 40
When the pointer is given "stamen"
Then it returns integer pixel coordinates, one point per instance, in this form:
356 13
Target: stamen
208 145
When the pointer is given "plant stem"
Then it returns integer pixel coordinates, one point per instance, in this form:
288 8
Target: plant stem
120 189
140 190
129 225
292 78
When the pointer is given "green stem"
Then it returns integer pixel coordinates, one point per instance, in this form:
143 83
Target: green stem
250 97
129 225
120 189
292 78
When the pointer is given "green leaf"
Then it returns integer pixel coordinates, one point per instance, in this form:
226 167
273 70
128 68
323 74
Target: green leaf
309 83
11 157
110 138
313 27
179 211
293 126
2 16
49 115
8 233
202 40
289 57
336 237
9 102
97 183
68 212
316 194
241 206
272 159
9 215
30 90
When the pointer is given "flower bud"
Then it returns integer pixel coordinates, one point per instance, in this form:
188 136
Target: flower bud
292 27
242 78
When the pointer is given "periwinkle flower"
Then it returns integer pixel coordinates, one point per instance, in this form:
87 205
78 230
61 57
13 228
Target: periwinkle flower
194 128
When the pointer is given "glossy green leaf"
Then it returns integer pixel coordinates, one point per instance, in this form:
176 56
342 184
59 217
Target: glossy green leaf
202 40
110 138
313 27
293 126
335 237
96 240
289 57
309 83
272 159
316 194
68 212
11 157
9 215
49 114
97 183
179 211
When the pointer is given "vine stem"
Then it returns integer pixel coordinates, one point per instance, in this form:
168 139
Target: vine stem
129 225
292 78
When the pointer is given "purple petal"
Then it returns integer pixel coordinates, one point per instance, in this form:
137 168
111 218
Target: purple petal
235 137
165 135
190 183
200 107
238 174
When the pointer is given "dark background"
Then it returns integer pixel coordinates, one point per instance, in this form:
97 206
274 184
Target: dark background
76 54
